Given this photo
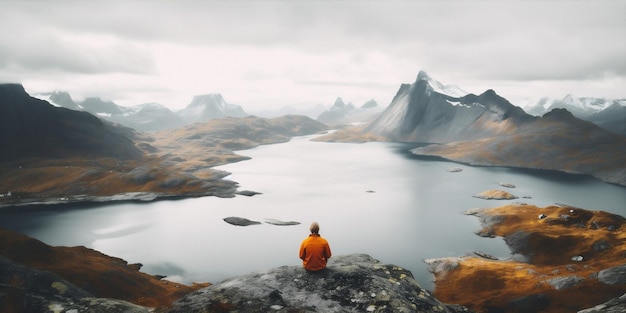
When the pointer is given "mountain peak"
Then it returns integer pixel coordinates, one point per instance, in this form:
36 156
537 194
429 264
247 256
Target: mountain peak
13 88
210 106
211 98
339 103
422 75
448 90
559 114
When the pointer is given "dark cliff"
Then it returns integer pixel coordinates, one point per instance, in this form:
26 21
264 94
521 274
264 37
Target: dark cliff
31 127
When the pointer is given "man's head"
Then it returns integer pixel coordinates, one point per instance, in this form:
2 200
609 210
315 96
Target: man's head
315 228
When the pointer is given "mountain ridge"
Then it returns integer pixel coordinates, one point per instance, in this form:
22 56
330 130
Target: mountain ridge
488 130
32 127
609 114
57 155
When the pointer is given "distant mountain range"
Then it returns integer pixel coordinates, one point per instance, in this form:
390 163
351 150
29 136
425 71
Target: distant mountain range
342 113
52 154
155 117
207 107
487 129
31 127
609 114
149 116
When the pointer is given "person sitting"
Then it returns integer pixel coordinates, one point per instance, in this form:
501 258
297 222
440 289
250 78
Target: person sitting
314 250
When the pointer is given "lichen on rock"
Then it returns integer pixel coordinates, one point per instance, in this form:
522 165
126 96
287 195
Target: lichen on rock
351 283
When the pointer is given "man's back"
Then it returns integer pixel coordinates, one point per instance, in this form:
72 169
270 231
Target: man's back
314 252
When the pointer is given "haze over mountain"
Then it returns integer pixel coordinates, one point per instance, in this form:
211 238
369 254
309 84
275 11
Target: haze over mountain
487 129
52 154
609 114
149 116
342 113
33 128
211 106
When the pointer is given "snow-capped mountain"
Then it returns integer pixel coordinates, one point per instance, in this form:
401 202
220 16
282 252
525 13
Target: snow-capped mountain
448 90
581 107
59 99
144 117
211 106
421 112
488 130
609 114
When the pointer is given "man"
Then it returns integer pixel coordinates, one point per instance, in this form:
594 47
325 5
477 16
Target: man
314 250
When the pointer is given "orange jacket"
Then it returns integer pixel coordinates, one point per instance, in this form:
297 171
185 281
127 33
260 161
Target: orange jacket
314 252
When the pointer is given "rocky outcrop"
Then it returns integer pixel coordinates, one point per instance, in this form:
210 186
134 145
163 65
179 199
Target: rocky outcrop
240 221
495 195
564 259
33 270
35 277
24 289
617 305
351 283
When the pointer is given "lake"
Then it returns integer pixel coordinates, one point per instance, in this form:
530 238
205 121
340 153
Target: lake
374 198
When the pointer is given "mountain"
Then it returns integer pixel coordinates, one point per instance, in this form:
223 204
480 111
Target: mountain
421 113
207 107
488 130
148 117
612 118
143 117
32 127
60 99
53 155
312 112
609 114
581 107
341 113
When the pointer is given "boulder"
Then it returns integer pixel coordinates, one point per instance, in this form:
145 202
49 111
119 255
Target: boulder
281 223
351 283
560 283
240 221
616 305
614 275
530 303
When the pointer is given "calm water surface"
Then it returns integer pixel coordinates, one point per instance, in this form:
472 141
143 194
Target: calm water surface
369 198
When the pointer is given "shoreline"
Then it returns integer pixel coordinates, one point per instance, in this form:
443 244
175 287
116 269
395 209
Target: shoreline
564 259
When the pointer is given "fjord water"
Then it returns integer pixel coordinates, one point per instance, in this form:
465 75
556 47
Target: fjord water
372 198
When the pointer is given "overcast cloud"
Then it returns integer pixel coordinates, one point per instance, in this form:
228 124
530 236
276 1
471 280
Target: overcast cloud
274 53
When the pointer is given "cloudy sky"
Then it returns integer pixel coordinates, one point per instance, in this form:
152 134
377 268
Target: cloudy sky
269 54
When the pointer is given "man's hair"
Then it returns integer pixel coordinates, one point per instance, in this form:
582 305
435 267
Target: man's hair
315 228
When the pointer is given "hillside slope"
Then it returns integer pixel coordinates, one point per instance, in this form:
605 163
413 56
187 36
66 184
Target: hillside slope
488 130
31 127
56 155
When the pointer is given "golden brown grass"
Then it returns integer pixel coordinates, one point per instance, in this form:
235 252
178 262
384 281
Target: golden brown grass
488 285
101 275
